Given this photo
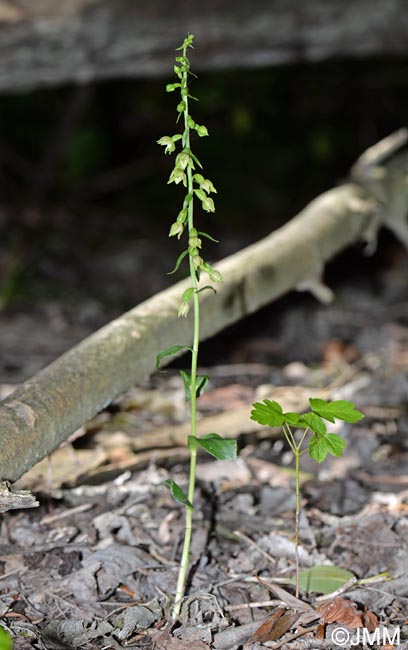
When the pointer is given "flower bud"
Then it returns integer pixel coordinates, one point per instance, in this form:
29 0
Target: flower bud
194 242
215 275
208 204
201 130
177 228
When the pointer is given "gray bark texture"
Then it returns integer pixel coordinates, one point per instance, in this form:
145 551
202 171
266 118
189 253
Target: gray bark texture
45 410
44 42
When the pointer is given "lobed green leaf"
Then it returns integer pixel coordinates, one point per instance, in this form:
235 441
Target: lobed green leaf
269 413
314 422
318 449
337 410
335 444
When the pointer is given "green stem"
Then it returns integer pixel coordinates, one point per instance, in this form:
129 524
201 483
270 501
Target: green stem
297 456
185 556
289 437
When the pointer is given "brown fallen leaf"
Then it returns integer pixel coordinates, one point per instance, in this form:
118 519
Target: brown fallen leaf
341 610
275 626
370 620
319 634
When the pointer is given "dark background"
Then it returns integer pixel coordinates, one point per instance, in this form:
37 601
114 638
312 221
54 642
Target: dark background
85 209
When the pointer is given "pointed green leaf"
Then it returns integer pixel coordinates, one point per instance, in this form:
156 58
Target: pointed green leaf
201 383
339 409
205 234
218 447
178 494
269 413
179 261
201 194
318 448
314 422
194 157
170 352
323 579
186 377
335 444
207 286
187 294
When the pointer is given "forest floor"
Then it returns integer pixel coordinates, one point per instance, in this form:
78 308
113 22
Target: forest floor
95 565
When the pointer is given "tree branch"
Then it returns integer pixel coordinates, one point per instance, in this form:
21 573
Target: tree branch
45 410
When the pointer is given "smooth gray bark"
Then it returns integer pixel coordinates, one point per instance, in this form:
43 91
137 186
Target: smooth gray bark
45 410
44 42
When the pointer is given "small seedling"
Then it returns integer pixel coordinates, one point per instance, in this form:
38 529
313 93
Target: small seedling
297 428
196 188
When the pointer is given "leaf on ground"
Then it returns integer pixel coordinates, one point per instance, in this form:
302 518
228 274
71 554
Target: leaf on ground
323 579
285 596
341 610
275 626
370 620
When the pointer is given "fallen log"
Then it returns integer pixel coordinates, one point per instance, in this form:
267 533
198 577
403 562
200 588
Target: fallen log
45 410
48 43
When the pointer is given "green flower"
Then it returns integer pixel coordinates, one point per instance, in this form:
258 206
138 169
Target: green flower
178 176
182 160
195 242
207 186
183 310
197 261
167 142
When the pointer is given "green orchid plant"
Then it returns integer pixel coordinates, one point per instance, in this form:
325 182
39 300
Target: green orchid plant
311 426
197 189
